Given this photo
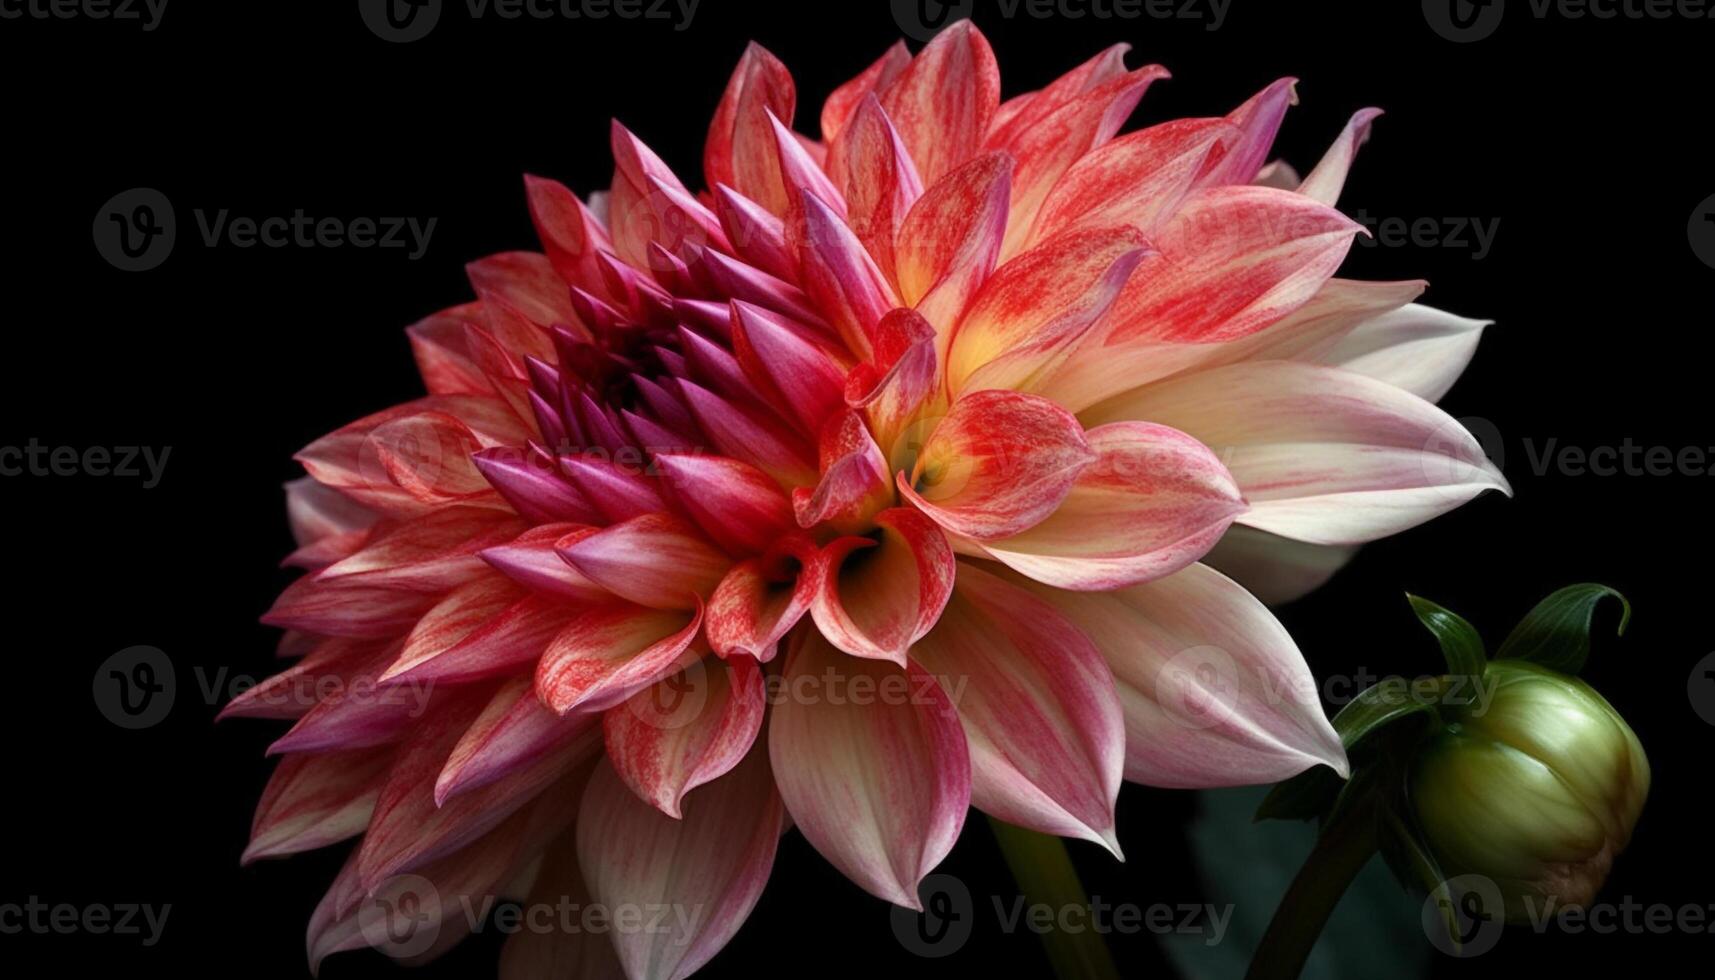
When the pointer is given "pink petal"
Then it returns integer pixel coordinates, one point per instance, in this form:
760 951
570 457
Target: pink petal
525 281
432 553
761 599
1276 569
1154 501
531 482
707 869
854 484
875 596
878 783
312 801
617 488
878 77
611 652
880 184
461 612
999 463
563 954
532 561
951 241
1329 178
1139 179
750 435
510 641
838 274
738 505
656 560
1214 690
1259 120
569 233
740 150
891 390
512 733
1418 348
943 102
1322 455
685 730
781 360
1038 705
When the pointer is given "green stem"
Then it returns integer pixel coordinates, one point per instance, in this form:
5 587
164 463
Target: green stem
1342 849
1045 874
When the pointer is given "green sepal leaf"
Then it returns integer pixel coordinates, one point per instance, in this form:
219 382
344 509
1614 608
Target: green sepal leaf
1383 703
1461 646
1407 854
1305 796
1556 634
1315 793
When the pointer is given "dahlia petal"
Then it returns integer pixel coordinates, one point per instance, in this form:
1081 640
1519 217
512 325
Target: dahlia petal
525 281
432 553
756 234
797 374
951 240
316 511
462 612
1310 333
570 235
735 503
409 829
1034 310
1021 112
878 77
708 868
326 552
531 482
854 483
512 733
291 693
1038 705
878 783
429 457
614 484
511 640
359 711
744 434
1329 178
564 954
875 596
656 560
740 151
714 366
685 730
760 600
532 561
338 608
1214 690
750 284
1418 348
1154 501
312 801
443 358
999 463
802 177
1140 179
1323 455
944 101
902 379
839 275
1275 569
1259 121
611 652
1045 150
878 180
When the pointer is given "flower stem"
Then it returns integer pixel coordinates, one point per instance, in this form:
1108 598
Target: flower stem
1044 873
1342 849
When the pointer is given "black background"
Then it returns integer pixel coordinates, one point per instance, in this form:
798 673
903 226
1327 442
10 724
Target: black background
1587 140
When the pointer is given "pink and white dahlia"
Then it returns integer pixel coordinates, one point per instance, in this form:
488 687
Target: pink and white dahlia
880 479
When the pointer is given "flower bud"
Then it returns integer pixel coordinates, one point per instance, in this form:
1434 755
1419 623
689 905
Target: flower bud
1536 785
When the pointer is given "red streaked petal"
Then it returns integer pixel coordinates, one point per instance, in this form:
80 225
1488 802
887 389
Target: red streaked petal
312 801
761 599
532 561
685 730
1154 501
1258 120
513 732
839 275
876 78
1039 708
715 860
1329 178
876 596
611 652
1139 179
878 179
999 462
656 560
740 150
944 101
879 784
951 241
747 434
781 360
738 505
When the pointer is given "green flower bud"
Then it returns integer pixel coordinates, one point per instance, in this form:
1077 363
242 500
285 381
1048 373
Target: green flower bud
1536 786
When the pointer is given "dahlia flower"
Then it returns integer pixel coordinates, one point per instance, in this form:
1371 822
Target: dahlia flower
886 477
